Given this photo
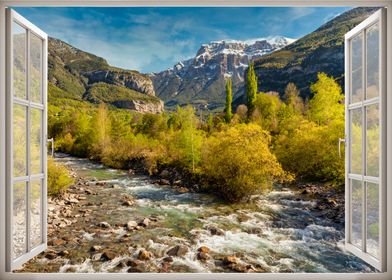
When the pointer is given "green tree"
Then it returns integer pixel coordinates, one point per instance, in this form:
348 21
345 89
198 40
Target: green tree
100 129
266 110
326 104
229 100
251 88
189 138
292 99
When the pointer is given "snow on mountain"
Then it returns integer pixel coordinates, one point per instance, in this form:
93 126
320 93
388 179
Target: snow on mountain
202 77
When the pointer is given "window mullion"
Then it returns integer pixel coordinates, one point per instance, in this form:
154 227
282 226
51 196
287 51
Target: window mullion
364 185
28 126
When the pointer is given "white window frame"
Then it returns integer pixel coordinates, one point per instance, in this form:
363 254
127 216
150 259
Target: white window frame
14 17
237 3
377 17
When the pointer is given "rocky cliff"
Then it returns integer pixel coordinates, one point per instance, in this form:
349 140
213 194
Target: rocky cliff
78 74
201 80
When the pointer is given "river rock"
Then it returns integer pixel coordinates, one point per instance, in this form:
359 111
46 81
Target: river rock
177 183
183 190
168 259
131 225
203 249
133 263
145 222
134 269
237 267
202 256
178 251
51 255
216 231
57 242
165 174
164 182
230 260
63 253
104 225
108 255
144 255
95 248
127 203
96 257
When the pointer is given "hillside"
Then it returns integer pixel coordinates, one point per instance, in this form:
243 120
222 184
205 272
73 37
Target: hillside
299 62
78 75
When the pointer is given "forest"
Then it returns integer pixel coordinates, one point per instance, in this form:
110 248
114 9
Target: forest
235 155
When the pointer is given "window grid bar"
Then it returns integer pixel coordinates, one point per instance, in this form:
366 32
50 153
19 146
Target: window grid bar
364 129
28 185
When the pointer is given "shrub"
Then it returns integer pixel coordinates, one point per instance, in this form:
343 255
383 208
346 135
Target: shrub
310 151
237 162
58 178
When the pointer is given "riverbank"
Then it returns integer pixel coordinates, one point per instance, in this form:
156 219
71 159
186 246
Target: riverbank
113 221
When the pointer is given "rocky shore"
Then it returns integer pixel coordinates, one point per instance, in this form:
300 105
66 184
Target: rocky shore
120 222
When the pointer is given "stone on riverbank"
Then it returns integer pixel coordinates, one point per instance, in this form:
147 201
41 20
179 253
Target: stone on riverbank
144 255
178 251
131 225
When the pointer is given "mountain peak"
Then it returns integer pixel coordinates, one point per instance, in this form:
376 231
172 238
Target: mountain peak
202 78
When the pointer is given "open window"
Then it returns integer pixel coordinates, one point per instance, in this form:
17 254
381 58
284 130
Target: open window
366 140
26 134
26 145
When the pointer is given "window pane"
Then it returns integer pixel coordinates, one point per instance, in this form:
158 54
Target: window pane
35 68
356 141
36 138
35 213
372 140
356 69
19 140
373 61
373 227
19 57
19 219
356 212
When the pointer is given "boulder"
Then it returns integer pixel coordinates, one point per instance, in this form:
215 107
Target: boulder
108 255
202 256
230 260
168 259
216 231
145 222
203 249
96 257
165 174
178 251
95 248
144 255
58 242
131 225
164 182
104 225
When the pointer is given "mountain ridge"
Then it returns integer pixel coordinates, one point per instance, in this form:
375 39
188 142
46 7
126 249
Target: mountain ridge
86 77
200 80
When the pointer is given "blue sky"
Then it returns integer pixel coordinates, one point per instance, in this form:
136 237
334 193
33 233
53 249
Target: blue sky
154 39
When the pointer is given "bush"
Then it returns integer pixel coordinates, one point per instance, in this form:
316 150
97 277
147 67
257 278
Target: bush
58 178
237 162
310 151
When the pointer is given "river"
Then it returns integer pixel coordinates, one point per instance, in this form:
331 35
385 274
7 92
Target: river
278 232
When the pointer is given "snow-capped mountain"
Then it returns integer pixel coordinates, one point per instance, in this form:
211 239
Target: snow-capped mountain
201 79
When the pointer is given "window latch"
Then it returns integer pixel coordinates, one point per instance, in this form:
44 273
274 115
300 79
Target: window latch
341 140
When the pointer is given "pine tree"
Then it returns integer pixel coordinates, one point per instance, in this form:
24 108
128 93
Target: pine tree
251 88
229 100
